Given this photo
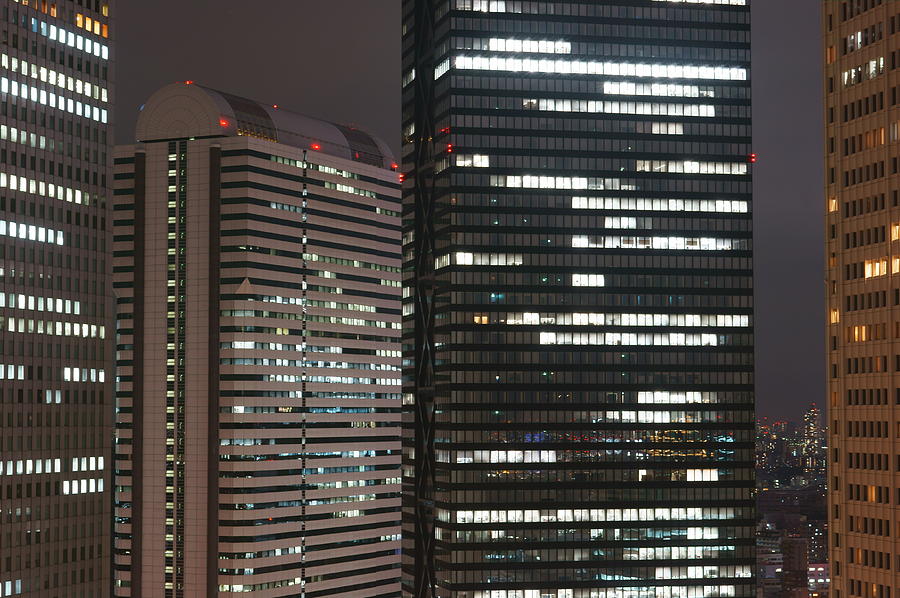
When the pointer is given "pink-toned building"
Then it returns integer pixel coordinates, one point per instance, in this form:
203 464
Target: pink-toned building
257 256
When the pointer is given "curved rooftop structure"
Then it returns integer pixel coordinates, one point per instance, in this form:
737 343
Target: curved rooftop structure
189 110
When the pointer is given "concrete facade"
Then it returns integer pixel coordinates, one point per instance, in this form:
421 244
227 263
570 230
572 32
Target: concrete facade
257 273
56 311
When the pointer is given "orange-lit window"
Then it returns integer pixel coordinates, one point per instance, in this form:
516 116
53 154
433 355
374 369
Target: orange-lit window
875 268
834 316
832 204
96 27
53 10
88 23
895 265
79 20
481 319
834 399
895 231
105 31
104 10
861 334
830 54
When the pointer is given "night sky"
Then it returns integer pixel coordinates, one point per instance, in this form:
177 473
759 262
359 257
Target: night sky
340 60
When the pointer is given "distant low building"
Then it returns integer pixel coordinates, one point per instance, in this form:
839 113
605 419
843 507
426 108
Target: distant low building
794 571
819 579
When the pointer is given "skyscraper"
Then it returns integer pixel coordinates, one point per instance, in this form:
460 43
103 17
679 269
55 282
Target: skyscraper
257 272
862 226
813 448
56 94
578 299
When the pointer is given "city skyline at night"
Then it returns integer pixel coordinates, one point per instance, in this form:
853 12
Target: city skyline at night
354 87
449 298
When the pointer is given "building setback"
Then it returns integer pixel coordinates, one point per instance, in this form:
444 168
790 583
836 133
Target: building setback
257 277
56 412
862 276
578 344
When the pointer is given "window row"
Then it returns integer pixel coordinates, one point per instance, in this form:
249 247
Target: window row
52 100
612 319
607 68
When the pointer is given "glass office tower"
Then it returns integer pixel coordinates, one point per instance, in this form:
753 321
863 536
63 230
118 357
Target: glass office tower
56 309
578 343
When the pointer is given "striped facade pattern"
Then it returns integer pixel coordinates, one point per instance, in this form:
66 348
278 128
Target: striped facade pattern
258 358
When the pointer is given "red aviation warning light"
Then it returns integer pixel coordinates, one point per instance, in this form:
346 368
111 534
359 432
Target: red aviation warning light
316 146
752 158
223 122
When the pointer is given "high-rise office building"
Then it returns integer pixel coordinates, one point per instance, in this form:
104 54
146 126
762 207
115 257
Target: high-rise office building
257 272
862 278
578 399
56 93
813 442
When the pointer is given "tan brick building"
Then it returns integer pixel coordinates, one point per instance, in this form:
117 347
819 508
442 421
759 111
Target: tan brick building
862 279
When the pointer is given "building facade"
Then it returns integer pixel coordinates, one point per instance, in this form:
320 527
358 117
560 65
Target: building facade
578 347
862 271
257 273
56 93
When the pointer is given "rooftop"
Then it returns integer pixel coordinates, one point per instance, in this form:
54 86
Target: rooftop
183 110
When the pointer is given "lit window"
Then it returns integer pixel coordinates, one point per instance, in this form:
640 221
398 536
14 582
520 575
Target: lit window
473 160
529 46
875 268
588 280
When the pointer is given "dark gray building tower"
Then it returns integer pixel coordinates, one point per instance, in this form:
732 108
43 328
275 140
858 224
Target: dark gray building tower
578 337
56 324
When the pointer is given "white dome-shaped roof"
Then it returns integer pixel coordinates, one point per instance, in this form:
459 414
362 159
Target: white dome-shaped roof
188 110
